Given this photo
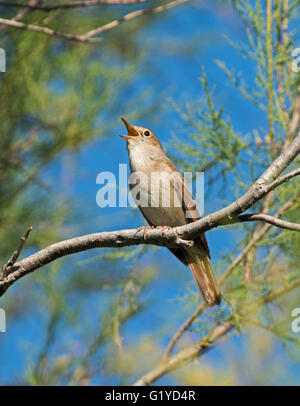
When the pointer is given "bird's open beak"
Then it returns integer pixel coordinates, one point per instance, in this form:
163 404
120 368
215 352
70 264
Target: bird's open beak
132 131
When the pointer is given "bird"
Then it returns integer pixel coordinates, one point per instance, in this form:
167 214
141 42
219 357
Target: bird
158 175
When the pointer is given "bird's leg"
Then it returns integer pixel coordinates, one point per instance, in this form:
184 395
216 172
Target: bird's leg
145 229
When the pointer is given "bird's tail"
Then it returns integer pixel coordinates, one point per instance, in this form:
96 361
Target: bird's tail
206 280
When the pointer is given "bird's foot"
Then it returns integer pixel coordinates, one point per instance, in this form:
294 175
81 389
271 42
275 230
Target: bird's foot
145 229
163 228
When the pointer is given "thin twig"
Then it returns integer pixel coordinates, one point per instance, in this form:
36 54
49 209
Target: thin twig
282 179
295 120
12 260
22 13
132 15
89 36
271 220
47 31
72 4
186 354
270 72
280 64
254 240
188 322
250 257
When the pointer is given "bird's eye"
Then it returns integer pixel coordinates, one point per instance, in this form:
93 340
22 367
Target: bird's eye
147 133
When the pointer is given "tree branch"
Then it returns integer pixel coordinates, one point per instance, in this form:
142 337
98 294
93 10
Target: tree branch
132 15
89 36
121 238
267 182
175 237
271 220
256 237
47 31
72 4
22 13
196 350
6 268
283 179
185 355
188 322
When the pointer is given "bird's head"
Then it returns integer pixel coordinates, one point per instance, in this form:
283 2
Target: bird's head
139 135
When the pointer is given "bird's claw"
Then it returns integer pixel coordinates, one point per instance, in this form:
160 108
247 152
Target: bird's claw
145 229
163 228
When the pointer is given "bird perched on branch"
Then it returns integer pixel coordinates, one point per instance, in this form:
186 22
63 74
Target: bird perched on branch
165 201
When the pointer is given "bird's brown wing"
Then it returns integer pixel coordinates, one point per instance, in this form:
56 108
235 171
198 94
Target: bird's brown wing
189 207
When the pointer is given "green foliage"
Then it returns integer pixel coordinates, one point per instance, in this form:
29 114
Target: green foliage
56 98
229 157
91 345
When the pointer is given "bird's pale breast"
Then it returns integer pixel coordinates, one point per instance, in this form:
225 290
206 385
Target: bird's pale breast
156 196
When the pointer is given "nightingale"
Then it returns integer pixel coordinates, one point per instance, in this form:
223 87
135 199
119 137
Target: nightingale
165 201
